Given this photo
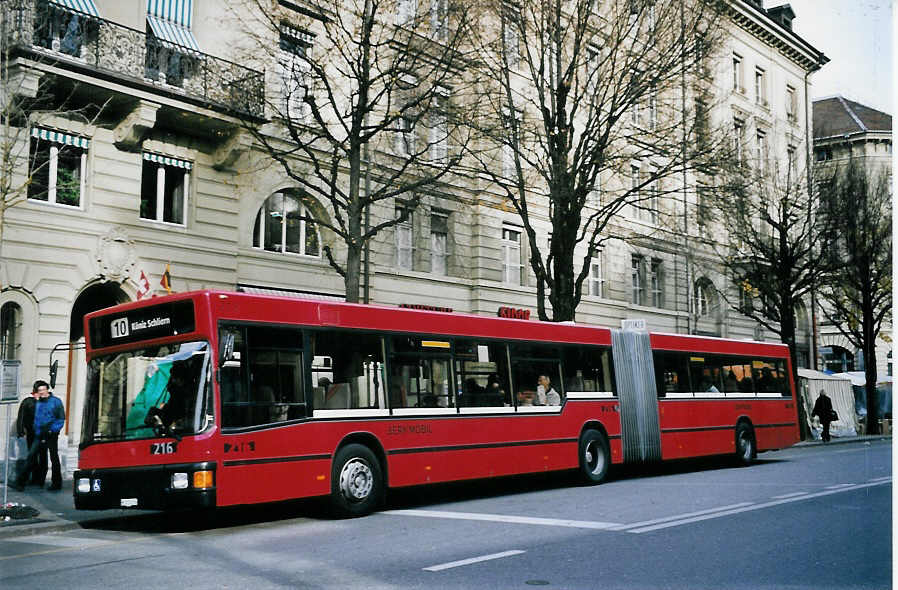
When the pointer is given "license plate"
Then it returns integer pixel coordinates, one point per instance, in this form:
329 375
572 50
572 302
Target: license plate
129 502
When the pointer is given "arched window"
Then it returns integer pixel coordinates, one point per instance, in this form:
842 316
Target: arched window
10 331
285 224
700 297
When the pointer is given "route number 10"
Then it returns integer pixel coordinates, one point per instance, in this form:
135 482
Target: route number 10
119 327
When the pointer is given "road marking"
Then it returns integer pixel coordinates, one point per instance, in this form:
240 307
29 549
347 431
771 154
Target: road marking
886 478
839 485
578 524
679 516
683 521
461 562
61 541
792 495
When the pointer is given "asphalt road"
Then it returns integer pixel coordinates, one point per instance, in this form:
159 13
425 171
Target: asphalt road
814 517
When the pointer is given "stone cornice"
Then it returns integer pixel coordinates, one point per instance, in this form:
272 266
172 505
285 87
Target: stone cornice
756 22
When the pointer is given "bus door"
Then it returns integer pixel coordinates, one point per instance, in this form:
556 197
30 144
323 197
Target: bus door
635 376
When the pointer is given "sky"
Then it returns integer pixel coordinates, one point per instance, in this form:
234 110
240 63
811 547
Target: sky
856 35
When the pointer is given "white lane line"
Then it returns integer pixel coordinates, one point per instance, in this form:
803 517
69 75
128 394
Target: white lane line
886 478
839 485
60 541
680 516
461 562
792 495
579 524
752 507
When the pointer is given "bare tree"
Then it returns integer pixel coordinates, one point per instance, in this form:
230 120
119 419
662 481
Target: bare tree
857 293
576 92
773 250
364 111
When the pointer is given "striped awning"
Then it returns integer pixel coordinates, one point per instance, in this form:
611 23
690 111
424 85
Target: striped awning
170 22
86 7
60 137
168 161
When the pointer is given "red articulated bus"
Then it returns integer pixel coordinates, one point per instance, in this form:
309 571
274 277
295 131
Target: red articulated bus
216 398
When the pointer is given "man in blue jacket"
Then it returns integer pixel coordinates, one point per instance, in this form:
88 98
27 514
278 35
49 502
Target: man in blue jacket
49 418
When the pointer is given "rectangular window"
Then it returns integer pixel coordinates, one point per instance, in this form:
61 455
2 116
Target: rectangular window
293 62
511 37
637 280
439 131
439 23
439 237
536 375
512 268
761 150
760 86
738 139
587 369
482 375
671 374
791 104
653 206
262 380
652 110
163 190
596 277
58 162
657 282
419 373
635 191
405 12
792 162
404 240
348 371
737 74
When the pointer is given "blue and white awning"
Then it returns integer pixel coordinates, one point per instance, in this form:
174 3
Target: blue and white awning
166 160
86 7
60 137
170 22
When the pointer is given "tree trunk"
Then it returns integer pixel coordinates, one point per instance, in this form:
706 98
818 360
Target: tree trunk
870 365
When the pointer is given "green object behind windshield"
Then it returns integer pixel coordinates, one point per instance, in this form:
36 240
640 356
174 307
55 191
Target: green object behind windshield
154 394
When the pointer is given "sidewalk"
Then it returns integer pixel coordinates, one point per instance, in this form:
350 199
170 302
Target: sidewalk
57 510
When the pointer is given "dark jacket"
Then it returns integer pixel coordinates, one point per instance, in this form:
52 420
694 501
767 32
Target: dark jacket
49 416
823 408
25 419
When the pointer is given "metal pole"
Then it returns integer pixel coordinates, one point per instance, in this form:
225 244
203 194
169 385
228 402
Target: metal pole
6 460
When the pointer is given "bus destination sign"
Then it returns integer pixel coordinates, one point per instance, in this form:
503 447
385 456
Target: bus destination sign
166 319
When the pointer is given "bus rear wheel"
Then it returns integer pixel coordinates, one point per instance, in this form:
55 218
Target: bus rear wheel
746 448
595 456
357 486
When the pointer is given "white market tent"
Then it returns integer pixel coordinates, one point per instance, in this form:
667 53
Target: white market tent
839 391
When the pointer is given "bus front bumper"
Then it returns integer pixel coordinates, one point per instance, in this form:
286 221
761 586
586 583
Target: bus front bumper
152 487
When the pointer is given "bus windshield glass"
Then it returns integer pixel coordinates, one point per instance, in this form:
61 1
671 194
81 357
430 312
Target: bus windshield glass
151 392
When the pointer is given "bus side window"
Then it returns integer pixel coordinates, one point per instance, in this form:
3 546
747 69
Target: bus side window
671 375
234 401
587 369
528 363
275 369
481 374
347 370
419 373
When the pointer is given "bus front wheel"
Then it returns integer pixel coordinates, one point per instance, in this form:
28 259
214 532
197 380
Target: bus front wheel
595 456
357 486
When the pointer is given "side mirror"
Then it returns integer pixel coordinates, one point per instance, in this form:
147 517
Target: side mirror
226 347
54 368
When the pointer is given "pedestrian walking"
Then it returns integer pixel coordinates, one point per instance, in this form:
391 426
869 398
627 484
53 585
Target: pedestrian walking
823 409
25 428
49 417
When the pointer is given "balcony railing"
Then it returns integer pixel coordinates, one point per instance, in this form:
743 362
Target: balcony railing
107 47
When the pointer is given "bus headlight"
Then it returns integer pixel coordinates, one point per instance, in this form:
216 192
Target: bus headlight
83 485
179 481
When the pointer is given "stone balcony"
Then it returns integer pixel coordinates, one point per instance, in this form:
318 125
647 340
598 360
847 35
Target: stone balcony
107 50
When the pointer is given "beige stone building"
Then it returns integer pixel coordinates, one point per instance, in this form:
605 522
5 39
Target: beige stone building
845 129
163 178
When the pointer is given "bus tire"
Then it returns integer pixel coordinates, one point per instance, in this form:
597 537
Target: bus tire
357 484
746 447
595 456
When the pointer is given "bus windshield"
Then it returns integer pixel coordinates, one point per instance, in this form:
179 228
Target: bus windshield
151 392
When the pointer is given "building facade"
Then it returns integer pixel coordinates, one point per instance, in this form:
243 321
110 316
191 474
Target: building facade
845 130
163 178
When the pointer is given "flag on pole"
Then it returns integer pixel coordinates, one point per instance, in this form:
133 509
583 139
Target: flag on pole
166 279
143 286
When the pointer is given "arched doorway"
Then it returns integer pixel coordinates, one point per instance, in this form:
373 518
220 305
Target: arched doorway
71 355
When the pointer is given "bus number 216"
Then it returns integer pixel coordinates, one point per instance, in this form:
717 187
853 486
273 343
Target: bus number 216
166 448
